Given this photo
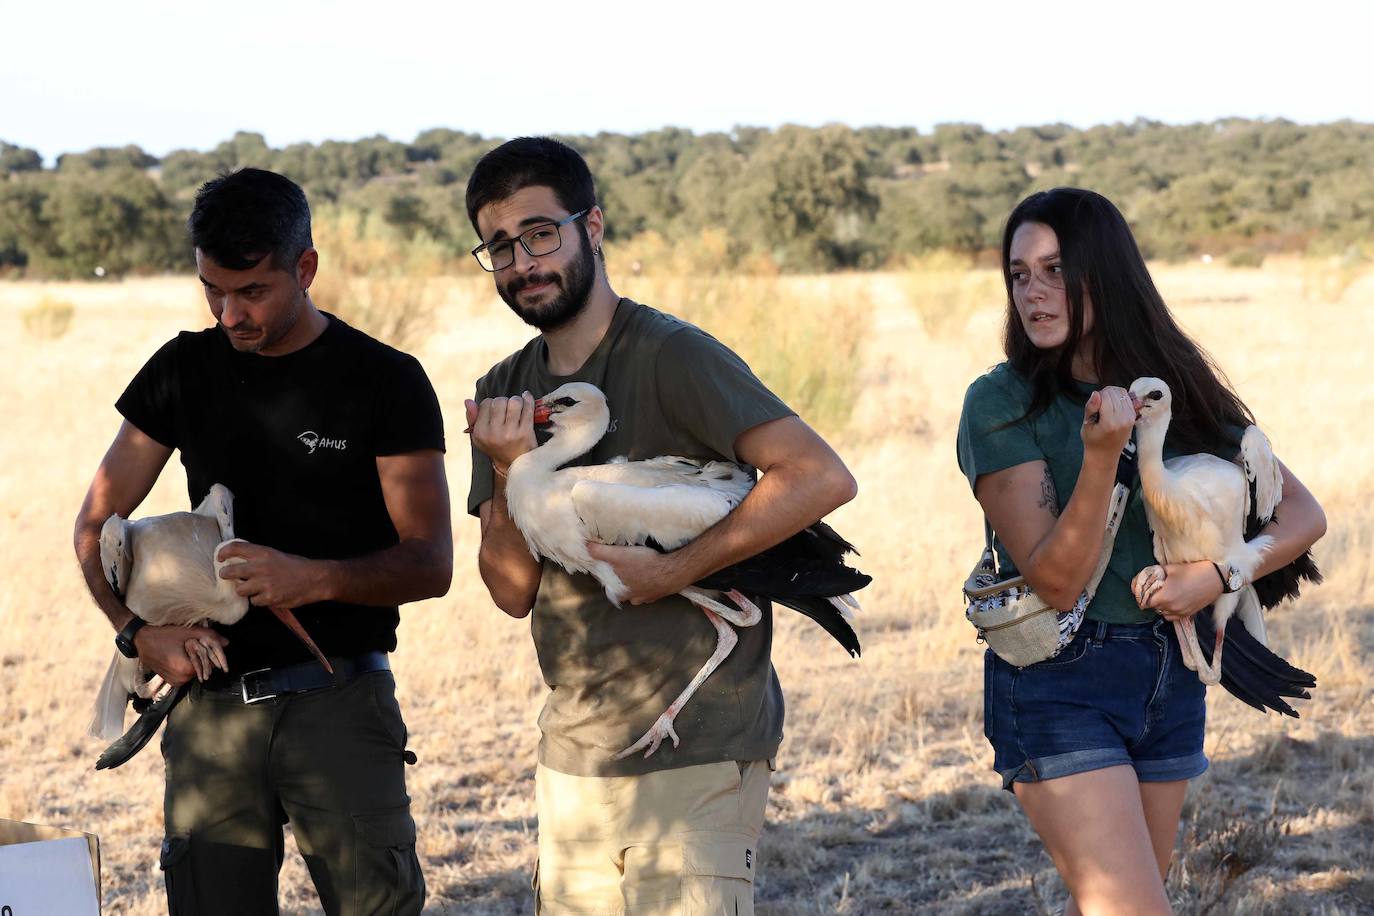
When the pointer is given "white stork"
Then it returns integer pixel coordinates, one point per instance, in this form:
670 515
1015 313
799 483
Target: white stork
166 570
665 503
1201 507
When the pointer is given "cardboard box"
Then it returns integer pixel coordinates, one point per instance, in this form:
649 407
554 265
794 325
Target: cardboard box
45 870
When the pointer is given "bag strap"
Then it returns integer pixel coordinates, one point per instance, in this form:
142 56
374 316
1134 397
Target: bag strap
1116 509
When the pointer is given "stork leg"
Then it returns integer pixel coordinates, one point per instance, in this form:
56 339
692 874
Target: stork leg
294 625
747 615
1222 612
1188 646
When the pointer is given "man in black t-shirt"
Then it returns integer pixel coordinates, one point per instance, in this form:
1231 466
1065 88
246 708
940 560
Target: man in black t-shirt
332 445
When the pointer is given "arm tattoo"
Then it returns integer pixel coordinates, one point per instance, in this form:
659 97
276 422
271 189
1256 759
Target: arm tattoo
1048 498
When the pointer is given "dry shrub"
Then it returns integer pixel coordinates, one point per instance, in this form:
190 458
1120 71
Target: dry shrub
803 341
710 251
376 280
49 318
945 290
1221 842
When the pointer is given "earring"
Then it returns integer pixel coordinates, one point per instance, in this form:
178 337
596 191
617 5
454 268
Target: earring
597 251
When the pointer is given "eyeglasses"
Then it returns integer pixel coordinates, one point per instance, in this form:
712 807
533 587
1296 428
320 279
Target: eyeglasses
536 240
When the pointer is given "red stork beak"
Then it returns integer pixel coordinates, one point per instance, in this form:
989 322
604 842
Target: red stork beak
294 625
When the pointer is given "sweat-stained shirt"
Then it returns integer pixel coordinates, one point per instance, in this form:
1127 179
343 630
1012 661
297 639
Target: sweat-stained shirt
994 435
672 390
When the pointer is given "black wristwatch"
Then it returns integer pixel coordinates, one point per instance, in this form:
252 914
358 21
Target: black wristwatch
124 639
1231 582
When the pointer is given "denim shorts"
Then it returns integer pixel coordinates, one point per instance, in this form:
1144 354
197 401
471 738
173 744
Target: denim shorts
1117 695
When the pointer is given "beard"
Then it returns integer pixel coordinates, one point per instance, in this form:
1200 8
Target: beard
574 289
272 332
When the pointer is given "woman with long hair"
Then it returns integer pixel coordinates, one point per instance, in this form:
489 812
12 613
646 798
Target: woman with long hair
1098 743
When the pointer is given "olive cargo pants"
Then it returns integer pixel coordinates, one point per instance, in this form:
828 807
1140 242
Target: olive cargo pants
331 762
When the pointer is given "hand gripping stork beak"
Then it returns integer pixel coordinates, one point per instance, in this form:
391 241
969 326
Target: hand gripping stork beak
294 625
542 412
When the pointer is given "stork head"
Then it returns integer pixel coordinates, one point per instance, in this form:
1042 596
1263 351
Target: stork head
574 406
1152 400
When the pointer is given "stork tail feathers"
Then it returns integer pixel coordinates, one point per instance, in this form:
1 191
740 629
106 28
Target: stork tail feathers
1251 672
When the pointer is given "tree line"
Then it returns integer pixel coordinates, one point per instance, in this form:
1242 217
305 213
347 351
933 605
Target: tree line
802 199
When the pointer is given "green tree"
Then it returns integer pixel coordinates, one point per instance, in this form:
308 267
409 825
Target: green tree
803 198
18 159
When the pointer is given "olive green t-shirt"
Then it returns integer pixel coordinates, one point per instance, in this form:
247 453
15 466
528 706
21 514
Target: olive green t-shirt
672 390
987 444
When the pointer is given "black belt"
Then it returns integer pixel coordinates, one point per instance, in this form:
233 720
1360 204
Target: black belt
268 683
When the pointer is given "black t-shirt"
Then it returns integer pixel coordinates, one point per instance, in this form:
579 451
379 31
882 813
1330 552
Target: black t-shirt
296 439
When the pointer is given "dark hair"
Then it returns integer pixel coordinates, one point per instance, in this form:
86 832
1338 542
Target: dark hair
526 162
1134 334
240 217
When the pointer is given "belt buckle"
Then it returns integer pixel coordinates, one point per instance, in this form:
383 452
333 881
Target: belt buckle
243 688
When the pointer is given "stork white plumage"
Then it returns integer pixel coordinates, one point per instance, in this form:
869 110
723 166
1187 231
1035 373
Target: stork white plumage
662 502
175 582
1200 507
166 570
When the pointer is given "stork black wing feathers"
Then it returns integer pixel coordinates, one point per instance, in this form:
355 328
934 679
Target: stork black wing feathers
830 619
1285 582
142 731
802 572
1250 671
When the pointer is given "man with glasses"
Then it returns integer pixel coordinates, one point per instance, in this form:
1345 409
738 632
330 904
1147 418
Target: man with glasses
677 832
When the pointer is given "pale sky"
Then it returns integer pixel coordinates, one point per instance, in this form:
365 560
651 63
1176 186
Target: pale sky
168 75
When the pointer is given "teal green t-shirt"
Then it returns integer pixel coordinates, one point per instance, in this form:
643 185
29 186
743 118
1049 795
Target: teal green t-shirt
987 444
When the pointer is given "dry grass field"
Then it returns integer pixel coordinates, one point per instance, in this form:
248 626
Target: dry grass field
884 801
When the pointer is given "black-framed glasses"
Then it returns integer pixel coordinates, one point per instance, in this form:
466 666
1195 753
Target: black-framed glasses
537 241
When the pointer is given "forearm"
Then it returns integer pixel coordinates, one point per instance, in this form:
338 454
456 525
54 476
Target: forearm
86 540
787 499
121 483
1298 523
1061 564
508 569
412 570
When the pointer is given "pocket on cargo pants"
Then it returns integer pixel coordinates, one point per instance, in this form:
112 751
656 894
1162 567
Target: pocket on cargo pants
386 874
718 873
205 878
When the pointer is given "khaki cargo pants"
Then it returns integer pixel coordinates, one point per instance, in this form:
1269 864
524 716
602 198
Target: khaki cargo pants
329 761
680 842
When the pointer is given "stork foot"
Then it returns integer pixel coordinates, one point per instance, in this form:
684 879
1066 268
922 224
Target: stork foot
662 728
1146 583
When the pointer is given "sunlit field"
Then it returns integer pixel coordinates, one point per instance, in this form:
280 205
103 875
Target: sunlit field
884 800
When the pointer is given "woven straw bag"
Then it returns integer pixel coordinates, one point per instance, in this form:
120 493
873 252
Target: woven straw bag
1015 622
